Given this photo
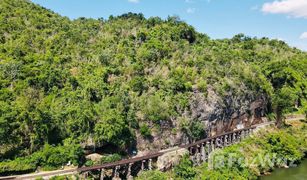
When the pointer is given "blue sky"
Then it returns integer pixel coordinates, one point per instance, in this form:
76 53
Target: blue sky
282 19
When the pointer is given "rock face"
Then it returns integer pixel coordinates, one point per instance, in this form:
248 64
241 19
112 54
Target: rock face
169 160
94 157
217 113
228 113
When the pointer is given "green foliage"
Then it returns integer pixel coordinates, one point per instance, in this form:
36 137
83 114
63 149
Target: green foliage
138 84
202 86
282 101
152 175
184 169
145 130
225 173
288 79
194 129
89 163
285 146
50 157
62 178
18 166
111 128
155 108
197 130
110 158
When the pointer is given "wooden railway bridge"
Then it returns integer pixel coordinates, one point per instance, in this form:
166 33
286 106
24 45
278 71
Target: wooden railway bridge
198 151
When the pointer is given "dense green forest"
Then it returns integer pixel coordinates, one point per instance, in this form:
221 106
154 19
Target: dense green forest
65 81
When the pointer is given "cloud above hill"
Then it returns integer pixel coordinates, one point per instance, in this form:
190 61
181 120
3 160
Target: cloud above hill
304 36
292 8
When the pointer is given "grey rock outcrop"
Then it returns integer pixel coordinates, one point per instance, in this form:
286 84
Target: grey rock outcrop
217 114
171 159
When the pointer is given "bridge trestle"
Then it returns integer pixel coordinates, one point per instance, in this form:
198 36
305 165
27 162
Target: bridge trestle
199 152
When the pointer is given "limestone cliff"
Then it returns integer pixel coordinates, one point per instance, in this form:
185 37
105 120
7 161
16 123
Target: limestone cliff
216 113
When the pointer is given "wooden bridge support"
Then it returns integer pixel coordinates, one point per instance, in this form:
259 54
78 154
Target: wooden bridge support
234 137
212 145
226 140
203 152
129 171
239 136
102 171
218 143
116 173
150 164
198 155
209 147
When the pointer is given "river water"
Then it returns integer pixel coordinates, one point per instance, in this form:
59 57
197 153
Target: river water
296 173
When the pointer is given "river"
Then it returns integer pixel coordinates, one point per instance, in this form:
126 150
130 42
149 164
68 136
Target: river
297 173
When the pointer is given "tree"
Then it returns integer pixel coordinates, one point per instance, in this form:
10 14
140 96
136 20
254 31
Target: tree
287 80
112 128
282 101
185 168
5 113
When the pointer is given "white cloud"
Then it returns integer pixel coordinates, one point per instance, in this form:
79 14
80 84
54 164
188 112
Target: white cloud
191 10
304 36
293 8
134 1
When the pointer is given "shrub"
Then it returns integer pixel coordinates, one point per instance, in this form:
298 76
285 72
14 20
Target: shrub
17 166
145 130
63 178
110 158
197 130
155 108
89 163
185 168
152 175
50 157
202 86
137 84
285 146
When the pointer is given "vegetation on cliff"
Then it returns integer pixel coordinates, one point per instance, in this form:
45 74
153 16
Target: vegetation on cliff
106 81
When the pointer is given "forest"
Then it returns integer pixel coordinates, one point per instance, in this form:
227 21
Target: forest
64 82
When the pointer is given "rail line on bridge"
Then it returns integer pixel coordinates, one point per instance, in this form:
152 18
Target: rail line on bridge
198 151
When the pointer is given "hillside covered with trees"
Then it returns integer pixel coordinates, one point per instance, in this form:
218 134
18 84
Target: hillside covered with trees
66 82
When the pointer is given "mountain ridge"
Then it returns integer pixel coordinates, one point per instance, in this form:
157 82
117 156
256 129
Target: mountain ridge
133 83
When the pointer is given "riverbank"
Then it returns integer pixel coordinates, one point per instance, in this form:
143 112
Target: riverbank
257 155
298 173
